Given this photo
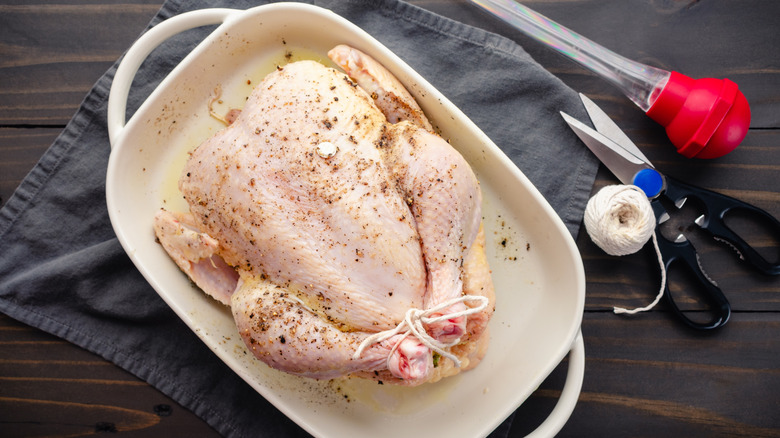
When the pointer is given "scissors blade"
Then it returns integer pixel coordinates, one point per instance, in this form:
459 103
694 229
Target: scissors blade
618 160
606 126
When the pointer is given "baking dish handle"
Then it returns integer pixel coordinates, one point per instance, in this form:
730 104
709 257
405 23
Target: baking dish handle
125 73
569 395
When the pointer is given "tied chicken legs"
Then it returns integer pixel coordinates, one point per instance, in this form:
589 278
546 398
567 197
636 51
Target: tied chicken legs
344 234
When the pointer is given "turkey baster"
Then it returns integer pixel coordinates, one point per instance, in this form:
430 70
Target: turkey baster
704 118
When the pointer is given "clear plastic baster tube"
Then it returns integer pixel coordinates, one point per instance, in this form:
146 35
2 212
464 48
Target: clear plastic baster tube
640 83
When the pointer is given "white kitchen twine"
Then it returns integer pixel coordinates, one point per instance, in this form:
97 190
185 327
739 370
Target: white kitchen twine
620 220
413 324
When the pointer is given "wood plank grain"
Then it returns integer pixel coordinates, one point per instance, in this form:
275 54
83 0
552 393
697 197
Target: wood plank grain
69 418
51 54
49 387
646 377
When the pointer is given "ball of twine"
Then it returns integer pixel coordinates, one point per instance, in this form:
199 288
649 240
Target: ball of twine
619 219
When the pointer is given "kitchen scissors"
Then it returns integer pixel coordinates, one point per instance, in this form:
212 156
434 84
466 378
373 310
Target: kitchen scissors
624 159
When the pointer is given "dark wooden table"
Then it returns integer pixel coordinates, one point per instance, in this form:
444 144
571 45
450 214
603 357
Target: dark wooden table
646 375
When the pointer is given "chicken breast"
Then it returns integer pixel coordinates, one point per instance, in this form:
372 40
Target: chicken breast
342 232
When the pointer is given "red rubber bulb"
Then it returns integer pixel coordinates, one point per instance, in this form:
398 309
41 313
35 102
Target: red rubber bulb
704 118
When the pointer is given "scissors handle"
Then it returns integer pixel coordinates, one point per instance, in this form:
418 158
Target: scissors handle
717 206
683 253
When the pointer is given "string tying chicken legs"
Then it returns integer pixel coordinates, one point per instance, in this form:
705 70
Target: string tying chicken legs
414 324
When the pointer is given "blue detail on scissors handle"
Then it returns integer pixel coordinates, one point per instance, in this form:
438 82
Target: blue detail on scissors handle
650 181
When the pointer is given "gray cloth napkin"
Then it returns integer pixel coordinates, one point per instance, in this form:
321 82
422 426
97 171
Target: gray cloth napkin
62 269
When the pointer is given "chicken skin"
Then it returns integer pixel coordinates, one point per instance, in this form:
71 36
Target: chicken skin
344 234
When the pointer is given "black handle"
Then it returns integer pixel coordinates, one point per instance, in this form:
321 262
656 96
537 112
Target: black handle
683 253
717 206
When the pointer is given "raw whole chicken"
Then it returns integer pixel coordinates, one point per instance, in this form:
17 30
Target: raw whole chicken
344 234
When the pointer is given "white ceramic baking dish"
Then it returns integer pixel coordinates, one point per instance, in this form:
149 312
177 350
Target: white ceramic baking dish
537 269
